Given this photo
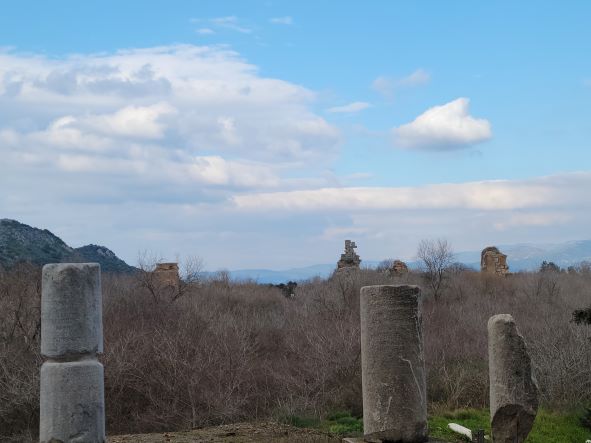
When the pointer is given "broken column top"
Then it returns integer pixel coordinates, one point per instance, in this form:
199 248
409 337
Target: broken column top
349 259
513 387
71 310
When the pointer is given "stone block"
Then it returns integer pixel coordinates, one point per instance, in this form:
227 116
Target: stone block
393 365
71 310
513 388
72 408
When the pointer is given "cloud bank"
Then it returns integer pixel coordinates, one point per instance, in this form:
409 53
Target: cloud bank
175 115
491 195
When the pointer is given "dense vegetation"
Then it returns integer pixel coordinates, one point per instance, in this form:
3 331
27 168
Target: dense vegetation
226 351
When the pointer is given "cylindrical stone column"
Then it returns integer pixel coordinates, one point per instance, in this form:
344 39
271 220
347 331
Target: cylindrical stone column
513 387
72 405
393 365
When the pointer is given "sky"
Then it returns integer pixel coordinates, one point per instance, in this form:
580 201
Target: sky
263 133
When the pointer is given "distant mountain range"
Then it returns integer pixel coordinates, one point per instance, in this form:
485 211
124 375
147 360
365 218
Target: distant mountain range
23 243
20 242
520 257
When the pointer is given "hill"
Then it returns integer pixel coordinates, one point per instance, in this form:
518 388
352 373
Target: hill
23 243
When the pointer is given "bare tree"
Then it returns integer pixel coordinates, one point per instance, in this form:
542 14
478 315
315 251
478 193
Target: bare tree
436 257
191 276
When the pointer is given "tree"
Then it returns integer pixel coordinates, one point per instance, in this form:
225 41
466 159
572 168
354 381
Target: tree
582 316
436 257
190 275
549 267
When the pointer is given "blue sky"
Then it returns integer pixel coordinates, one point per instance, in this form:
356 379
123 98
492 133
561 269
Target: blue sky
265 133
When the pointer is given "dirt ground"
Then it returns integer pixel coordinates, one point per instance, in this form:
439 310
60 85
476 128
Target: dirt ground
234 433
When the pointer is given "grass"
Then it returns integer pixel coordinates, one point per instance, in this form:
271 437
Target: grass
470 418
549 427
340 423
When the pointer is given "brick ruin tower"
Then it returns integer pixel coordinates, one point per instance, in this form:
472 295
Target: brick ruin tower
493 262
349 259
167 276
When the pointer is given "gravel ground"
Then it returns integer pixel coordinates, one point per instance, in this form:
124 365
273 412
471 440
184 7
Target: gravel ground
235 433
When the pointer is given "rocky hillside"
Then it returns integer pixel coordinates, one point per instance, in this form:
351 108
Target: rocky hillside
105 257
23 243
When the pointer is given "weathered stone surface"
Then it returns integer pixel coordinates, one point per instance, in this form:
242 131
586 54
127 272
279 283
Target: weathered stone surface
393 365
72 388
167 276
71 310
398 268
513 388
72 402
349 259
493 262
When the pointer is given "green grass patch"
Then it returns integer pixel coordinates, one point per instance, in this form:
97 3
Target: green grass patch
340 423
301 422
549 427
470 418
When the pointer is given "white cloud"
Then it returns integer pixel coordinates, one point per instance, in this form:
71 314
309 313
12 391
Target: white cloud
417 78
349 108
186 123
444 127
387 86
131 121
286 20
383 85
218 171
199 99
532 219
494 195
230 22
205 31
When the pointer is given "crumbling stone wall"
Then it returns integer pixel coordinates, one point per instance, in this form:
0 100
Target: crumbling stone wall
492 261
167 275
398 268
349 259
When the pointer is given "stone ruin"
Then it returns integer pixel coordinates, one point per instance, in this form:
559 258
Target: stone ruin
167 276
394 377
398 268
349 259
493 262
393 365
513 388
72 399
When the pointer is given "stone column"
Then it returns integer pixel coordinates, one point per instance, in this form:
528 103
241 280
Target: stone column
393 365
72 380
513 388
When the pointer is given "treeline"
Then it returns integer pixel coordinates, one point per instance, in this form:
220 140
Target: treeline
218 351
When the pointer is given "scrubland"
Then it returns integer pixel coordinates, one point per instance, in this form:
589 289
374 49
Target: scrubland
223 351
